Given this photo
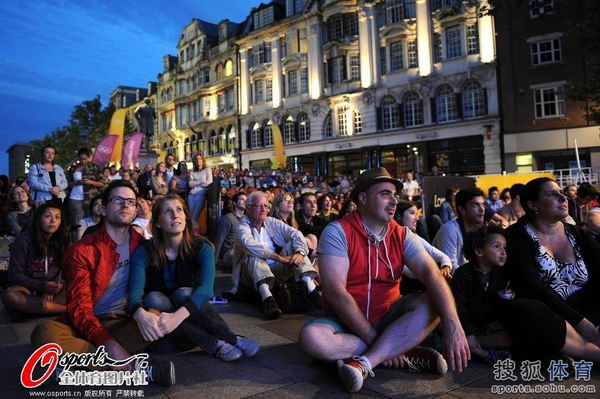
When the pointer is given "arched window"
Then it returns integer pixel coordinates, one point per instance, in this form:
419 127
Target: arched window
327 127
268 133
229 68
255 141
473 100
413 109
357 122
342 117
213 145
390 113
303 127
218 72
289 131
231 138
222 141
445 101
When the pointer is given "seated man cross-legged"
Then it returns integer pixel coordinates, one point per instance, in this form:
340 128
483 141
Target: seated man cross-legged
267 248
369 323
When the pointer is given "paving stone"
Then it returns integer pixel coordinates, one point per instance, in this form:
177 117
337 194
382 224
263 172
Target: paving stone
8 335
315 389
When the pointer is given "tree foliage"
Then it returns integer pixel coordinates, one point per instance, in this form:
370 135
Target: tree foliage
88 124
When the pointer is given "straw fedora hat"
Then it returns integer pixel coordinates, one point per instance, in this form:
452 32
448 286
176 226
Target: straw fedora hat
373 176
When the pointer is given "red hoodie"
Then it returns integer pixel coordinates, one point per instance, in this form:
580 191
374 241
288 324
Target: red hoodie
375 268
88 267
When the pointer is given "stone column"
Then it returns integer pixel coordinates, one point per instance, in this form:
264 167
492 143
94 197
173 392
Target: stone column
315 58
491 149
487 42
276 72
365 43
244 82
424 38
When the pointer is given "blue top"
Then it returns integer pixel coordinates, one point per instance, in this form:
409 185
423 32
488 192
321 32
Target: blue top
204 263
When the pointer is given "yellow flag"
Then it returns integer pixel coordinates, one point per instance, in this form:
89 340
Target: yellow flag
279 160
117 127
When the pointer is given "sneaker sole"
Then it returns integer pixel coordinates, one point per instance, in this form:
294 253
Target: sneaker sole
349 379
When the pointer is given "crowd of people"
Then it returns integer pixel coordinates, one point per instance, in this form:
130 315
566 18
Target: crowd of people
119 257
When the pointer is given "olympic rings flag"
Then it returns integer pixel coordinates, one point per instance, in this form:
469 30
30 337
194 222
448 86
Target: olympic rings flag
104 150
131 150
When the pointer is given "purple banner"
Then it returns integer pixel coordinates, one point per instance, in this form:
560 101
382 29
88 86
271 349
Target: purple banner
131 151
104 150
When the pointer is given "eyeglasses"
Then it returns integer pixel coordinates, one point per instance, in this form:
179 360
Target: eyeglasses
172 211
120 201
260 206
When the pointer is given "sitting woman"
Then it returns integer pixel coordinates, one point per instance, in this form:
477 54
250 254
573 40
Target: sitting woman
34 274
22 212
448 207
556 264
325 207
475 286
283 209
174 274
96 212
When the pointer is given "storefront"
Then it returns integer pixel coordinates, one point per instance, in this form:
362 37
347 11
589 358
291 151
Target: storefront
462 155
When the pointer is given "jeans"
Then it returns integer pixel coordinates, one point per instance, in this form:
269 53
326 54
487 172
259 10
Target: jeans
196 203
203 328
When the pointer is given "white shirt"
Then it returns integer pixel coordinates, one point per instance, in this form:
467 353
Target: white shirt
411 188
77 191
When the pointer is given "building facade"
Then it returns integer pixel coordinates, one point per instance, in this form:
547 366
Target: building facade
356 84
197 95
539 59
20 158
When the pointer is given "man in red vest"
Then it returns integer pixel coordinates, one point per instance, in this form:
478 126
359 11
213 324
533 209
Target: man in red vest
368 321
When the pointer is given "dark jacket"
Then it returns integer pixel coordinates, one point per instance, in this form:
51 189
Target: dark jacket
522 269
27 270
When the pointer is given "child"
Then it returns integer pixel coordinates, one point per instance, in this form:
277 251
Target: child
476 286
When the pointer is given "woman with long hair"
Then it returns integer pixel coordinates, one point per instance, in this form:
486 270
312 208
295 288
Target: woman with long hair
46 179
22 212
174 273
448 207
159 180
35 285
180 182
283 209
325 208
200 178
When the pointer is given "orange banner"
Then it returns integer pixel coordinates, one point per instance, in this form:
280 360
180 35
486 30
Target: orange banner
117 127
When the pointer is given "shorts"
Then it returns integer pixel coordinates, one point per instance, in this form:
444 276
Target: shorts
398 308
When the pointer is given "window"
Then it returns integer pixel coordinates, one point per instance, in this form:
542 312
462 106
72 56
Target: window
383 60
545 52
268 134
206 75
549 102
294 7
453 42
540 7
389 113
413 109
445 104
221 102
327 127
304 80
263 17
473 100
394 11
396 57
258 92
355 67
289 131
357 122
231 140
342 113
261 54
283 46
302 45
269 90
472 39
255 136
292 83
437 47
229 105
410 9
229 68
338 69
222 141
342 25
213 144
303 127
413 58
222 33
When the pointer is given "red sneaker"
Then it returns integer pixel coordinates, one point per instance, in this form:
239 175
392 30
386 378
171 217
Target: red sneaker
354 371
420 359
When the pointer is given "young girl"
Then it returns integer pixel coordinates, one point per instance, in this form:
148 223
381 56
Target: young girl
476 286
174 274
34 275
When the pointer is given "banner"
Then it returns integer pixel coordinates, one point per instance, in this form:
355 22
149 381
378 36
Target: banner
433 190
104 150
279 160
506 181
117 127
131 151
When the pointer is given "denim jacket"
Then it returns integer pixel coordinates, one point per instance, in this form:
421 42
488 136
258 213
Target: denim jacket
39 182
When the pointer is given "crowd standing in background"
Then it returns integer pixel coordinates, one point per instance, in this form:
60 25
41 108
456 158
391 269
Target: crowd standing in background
509 273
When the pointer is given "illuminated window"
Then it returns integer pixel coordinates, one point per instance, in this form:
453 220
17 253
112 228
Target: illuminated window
473 100
396 57
445 104
354 67
269 90
292 83
472 39
413 109
413 59
255 136
342 114
268 134
229 68
289 131
453 42
545 52
389 112
357 122
303 127
304 80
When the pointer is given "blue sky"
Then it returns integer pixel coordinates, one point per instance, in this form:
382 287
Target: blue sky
57 53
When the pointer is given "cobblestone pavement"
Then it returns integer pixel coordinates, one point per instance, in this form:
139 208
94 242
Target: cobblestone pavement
280 370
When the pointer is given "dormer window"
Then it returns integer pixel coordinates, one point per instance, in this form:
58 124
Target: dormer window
263 17
294 7
222 33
